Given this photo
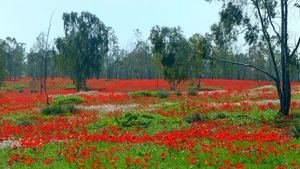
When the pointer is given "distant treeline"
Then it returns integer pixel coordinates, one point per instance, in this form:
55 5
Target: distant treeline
89 49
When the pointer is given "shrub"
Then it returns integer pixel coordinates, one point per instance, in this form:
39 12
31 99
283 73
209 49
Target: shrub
141 94
155 93
139 120
59 109
178 93
195 118
192 92
220 116
163 95
65 100
24 122
17 87
70 86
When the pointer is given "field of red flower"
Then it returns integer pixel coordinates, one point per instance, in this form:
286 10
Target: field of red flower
137 124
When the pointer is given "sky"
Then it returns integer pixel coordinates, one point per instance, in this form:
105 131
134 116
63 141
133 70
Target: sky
26 19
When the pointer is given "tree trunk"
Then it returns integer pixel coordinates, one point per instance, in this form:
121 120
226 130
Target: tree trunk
285 61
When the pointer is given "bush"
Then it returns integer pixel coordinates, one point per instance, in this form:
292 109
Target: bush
192 92
155 93
70 86
178 93
17 87
65 100
24 122
163 94
220 116
195 118
139 120
141 94
59 109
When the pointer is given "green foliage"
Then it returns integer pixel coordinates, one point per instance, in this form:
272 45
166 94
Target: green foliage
192 92
201 47
36 58
63 100
155 93
219 116
197 117
24 122
172 54
62 105
178 93
70 86
2 63
82 49
142 94
139 120
12 56
59 109
17 87
163 94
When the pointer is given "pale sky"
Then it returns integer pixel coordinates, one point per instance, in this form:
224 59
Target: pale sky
25 19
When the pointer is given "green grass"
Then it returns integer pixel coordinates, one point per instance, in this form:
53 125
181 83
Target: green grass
154 93
69 99
18 87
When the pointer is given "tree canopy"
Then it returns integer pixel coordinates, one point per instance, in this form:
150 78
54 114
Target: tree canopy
83 47
172 53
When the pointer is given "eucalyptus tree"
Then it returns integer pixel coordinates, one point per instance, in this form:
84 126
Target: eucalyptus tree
112 54
14 53
265 20
202 47
37 61
2 62
83 47
140 58
172 53
221 46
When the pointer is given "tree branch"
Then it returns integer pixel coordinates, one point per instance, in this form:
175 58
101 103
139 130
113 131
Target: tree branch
272 55
296 48
240 64
267 37
245 65
270 20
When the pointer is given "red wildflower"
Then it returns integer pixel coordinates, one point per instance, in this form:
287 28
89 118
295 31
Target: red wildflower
226 163
294 164
128 159
282 167
48 161
146 158
137 160
194 160
27 161
13 159
163 155
239 165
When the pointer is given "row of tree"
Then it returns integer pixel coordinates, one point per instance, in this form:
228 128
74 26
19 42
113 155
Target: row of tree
12 58
90 49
